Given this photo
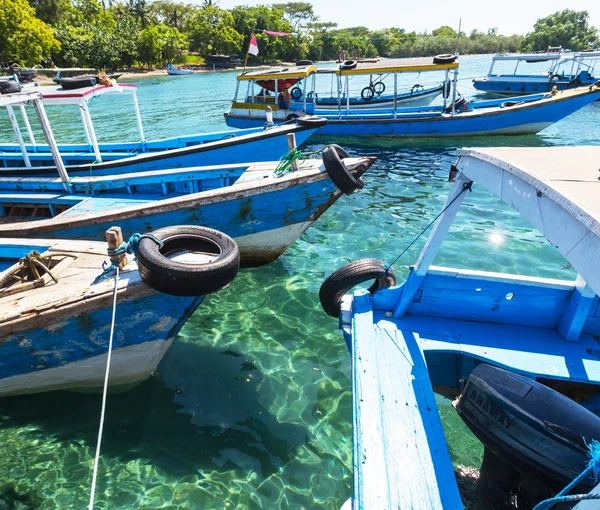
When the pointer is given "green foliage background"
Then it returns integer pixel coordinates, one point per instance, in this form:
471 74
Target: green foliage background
125 33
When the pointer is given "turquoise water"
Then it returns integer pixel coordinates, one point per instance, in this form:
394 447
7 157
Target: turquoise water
251 406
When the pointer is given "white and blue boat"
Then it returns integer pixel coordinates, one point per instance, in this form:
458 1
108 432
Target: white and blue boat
56 307
294 92
232 146
520 354
454 117
566 71
173 70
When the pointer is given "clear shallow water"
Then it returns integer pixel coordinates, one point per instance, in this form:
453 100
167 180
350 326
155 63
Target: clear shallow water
251 406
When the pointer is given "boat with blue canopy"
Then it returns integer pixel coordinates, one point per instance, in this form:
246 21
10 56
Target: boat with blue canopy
520 354
294 92
232 146
509 74
454 117
57 306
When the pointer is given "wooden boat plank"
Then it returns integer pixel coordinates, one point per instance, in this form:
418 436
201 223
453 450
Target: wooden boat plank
396 422
540 352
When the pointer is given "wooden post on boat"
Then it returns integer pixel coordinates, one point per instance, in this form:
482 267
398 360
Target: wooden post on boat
291 139
114 238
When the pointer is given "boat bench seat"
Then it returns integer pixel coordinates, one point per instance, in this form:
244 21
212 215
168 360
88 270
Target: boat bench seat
396 422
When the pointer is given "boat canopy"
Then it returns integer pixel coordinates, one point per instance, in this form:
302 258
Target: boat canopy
399 65
529 57
555 188
56 95
279 73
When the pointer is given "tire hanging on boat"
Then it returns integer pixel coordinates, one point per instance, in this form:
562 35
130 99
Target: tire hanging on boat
340 282
337 171
296 93
367 93
290 117
217 260
378 87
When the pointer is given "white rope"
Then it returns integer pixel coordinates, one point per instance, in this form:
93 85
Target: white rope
102 412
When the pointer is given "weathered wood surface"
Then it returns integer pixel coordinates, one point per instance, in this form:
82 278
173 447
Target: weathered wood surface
400 455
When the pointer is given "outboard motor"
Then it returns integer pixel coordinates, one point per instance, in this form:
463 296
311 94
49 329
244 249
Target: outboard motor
529 426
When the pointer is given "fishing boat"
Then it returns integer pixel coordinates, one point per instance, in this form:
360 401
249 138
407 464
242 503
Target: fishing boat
256 144
173 70
57 306
455 117
66 73
566 71
295 92
222 61
519 354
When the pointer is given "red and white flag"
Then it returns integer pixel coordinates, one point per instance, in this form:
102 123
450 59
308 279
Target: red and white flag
253 48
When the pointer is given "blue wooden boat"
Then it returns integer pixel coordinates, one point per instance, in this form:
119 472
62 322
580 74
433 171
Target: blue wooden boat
264 211
517 351
233 146
566 71
56 311
455 117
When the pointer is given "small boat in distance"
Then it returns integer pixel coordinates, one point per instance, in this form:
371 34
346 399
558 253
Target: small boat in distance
566 71
222 62
519 354
173 70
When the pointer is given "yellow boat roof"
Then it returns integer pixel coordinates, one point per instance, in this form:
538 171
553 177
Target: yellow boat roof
279 73
397 65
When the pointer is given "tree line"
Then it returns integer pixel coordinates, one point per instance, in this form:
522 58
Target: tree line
115 34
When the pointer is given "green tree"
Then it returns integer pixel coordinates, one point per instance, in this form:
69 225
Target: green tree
298 14
212 31
569 29
444 31
23 37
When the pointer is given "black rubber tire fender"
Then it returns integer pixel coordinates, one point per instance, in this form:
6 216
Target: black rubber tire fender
312 121
367 93
508 104
290 117
378 87
181 279
296 93
9 87
348 64
338 173
447 89
340 282
446 58
303 63
341 152
78 82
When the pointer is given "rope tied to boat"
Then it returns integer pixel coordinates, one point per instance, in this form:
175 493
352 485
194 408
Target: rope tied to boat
104 392
30 264
285 162
593 468
467 186
127 248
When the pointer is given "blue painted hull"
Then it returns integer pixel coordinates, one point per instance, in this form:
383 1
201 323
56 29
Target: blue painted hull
520 119
529 85
83 339
197 150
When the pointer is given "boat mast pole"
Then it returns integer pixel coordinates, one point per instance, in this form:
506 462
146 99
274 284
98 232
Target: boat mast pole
138 117
49 136
17 129
347 96
395 94
28 126
88 120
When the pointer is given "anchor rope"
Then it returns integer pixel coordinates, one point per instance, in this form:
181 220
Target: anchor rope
466 186
285 162
593 468
104 393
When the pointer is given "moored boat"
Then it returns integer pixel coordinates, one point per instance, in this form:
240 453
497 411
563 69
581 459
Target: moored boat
566 71
232 146
519 353
455 117
56 307
173 70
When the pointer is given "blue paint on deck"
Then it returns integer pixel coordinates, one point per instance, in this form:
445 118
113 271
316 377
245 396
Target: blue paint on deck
395 422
